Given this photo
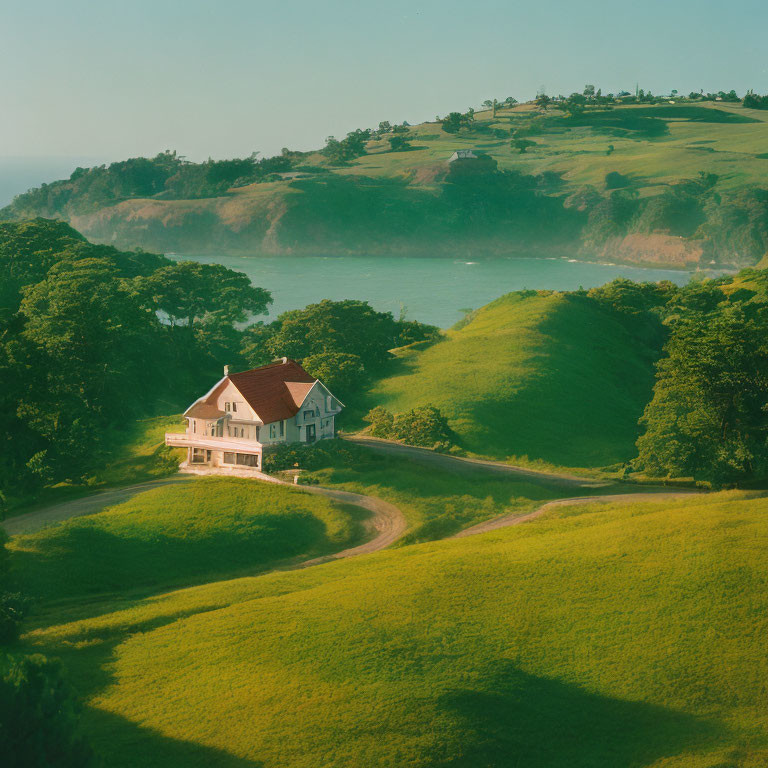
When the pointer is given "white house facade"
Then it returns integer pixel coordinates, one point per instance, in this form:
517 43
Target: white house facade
249 413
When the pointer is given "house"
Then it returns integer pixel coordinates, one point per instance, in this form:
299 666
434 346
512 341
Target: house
247 414
463 154
467 162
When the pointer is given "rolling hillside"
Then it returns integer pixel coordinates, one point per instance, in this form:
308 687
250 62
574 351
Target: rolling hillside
598 636
180 534
545 378
553 197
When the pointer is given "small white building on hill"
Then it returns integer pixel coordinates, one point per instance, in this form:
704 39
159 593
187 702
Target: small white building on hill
248 413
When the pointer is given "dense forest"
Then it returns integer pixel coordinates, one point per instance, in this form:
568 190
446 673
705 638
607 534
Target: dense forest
92 338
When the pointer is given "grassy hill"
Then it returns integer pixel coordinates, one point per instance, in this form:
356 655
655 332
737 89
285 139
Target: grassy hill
599 636
546 378
552 197
184 534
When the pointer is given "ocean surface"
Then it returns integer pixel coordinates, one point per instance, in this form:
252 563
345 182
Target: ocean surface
432 290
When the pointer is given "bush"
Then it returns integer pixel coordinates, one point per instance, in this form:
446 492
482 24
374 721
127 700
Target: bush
325 453
424 426
13 608
39 716
381 421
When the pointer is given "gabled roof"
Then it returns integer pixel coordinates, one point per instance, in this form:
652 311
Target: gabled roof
200 410
275 391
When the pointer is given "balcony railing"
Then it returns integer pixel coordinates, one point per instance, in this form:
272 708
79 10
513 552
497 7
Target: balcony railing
237 444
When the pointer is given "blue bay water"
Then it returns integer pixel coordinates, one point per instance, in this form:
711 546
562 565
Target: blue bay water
428 289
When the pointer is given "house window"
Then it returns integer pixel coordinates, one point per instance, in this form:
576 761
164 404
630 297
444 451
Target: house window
199 455
258 433
226 406
194 426
329 403
309 414
272 431
282 428
229 458
247 459
234 407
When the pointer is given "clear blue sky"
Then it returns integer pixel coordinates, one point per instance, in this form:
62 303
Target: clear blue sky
222 78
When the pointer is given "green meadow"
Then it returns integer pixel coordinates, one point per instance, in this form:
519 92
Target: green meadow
543 379
600 635
181 534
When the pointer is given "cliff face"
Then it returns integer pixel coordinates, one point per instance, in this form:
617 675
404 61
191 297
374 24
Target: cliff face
656 249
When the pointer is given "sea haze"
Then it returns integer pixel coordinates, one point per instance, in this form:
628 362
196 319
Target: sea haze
18 174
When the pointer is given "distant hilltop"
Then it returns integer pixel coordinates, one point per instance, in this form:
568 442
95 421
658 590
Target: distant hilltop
631 177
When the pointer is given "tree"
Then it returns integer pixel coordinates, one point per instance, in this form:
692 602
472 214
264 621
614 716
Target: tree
522 144
510 101
188 292
351 327
543 101
589 91
39 716
708 418
453 122
399 143
341 372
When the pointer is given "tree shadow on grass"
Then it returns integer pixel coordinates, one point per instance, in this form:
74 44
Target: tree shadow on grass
81 559
121 743
520 720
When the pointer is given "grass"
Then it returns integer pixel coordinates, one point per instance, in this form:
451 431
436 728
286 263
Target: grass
547 380
654 146
598 636
136 453
181 534
439 502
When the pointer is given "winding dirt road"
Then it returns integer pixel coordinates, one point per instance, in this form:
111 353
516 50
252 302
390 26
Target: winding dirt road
386 522
508 520
462 464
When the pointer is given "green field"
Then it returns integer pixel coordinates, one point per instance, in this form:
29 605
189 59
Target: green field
180 534
439 502
545 379
598 636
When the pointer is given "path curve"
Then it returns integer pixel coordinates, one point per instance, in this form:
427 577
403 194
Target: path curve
31 522
507 520
387 522
462 463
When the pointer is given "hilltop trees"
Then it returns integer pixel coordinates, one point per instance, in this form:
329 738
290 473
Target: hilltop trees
708 418
349 148
83 348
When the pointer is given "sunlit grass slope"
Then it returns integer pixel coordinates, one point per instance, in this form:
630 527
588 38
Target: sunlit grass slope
439 502
604 636
186 534
546 377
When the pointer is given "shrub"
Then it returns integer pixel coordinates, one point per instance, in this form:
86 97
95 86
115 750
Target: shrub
13 608
325 453
381 421
39 716
424 426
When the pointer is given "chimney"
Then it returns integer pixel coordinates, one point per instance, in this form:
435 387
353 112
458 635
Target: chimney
226 370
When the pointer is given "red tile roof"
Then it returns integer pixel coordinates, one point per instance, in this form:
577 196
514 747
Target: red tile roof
273 391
